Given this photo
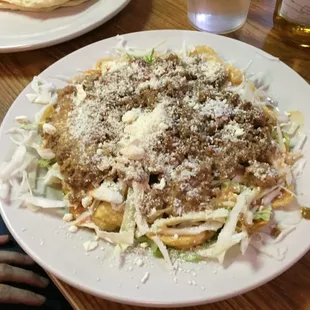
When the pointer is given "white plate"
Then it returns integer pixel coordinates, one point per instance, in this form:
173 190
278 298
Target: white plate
21 31
61 253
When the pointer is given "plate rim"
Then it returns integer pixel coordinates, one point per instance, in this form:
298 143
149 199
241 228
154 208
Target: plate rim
156 304
63 38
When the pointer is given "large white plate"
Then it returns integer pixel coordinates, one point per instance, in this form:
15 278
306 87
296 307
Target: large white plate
21 31
47 241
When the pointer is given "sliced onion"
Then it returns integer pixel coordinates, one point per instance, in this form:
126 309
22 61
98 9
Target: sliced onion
271 196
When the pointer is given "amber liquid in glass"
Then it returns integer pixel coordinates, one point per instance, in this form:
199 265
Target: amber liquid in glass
292 29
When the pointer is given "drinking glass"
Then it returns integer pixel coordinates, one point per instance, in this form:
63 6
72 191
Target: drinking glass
218 16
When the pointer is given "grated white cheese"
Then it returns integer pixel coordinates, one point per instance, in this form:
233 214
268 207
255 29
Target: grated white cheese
87 201
131 116
144 245
22 119
145 277
139 262
49 129
68 217
73 229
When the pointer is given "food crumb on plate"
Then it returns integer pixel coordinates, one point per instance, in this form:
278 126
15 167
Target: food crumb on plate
90 245
73 229
145 277
68 217
144 245
139 262
22 119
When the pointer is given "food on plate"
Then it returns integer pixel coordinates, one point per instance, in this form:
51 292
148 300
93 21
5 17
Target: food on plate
38 6
176 150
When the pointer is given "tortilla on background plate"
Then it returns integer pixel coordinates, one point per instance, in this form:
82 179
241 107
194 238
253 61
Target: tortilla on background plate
38 6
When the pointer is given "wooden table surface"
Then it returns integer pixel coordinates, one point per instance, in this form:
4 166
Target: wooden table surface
289 291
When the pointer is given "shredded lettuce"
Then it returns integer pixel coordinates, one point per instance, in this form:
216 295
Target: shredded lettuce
45 163
15 163
43 152
53 175
128 223
154 247
109 192
142 225
287 140
262 244
111 237
280 139
44 92
42 202
194 230
150 58
5 191
163 249
30 126
213 220
264 214
228 236
155 250
219 249
190 257
291 131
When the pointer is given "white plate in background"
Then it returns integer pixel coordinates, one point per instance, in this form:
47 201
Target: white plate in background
21 31
44 237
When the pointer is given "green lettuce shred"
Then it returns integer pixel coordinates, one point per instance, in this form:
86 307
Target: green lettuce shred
46 163
150 58
190 257
29 126
264 214
287 140
154 248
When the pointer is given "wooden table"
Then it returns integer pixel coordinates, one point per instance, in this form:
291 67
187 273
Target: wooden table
289 291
